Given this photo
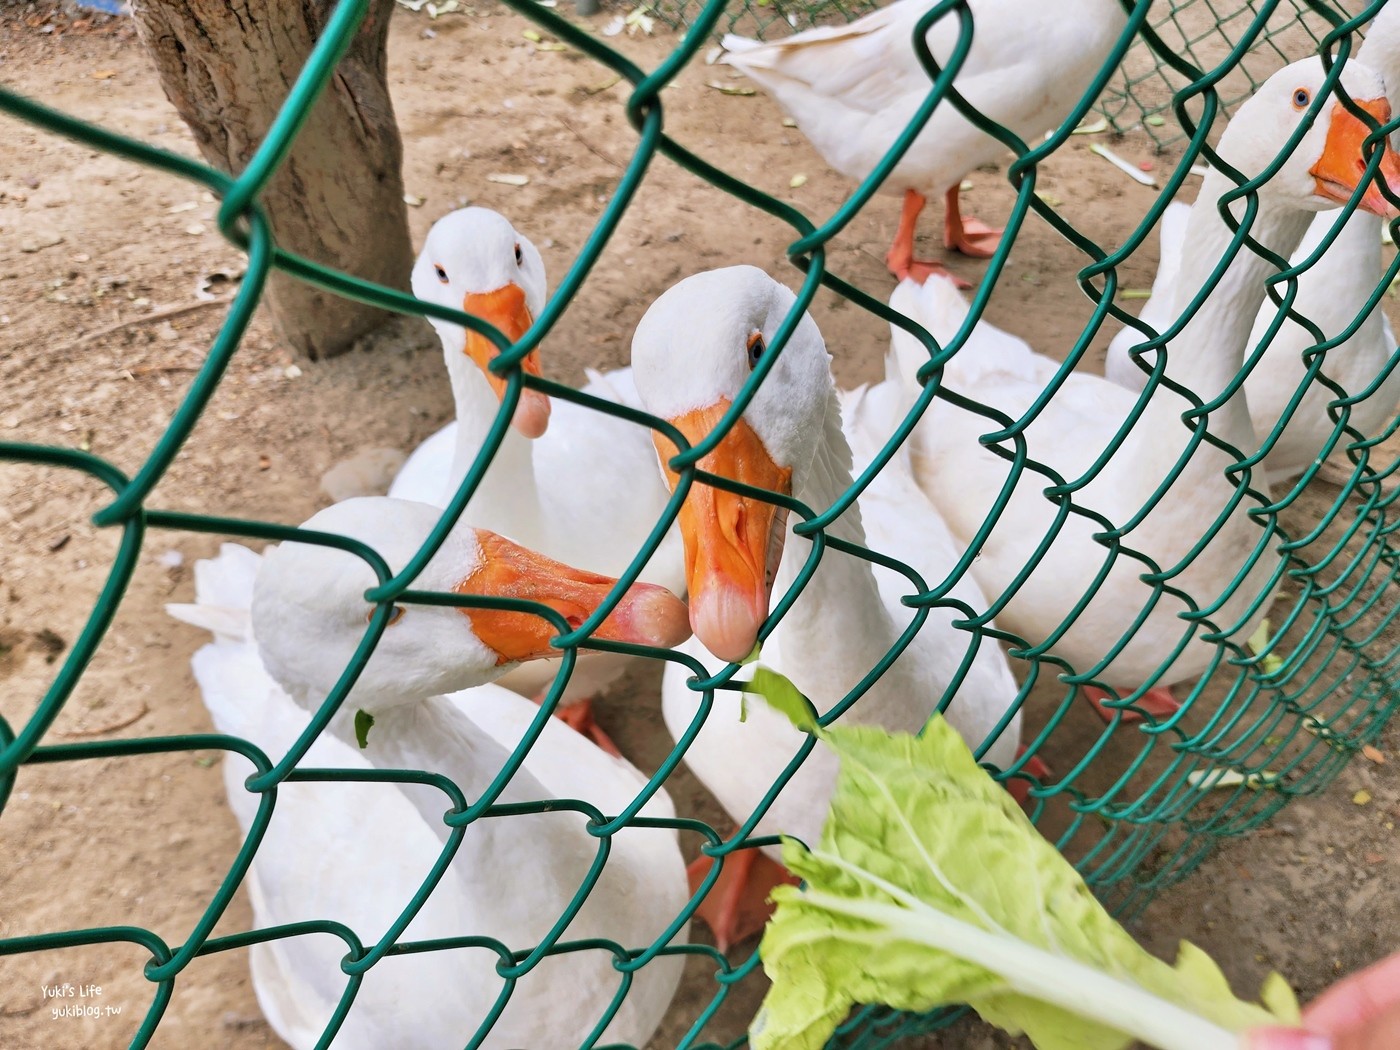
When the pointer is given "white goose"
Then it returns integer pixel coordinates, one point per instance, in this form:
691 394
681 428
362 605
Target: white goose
1332 293
963 479
584 491
692 351
853 89
356 852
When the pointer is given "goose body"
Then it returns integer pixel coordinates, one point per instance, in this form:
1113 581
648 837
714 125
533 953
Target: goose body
1332 293
357 852
849 614
585 490
853 89
964 480
1086 412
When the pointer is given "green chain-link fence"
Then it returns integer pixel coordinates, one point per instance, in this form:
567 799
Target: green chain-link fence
1133 806
1204 32
765 19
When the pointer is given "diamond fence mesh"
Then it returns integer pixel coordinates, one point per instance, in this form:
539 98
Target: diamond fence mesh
1136 807
765 19
1204 32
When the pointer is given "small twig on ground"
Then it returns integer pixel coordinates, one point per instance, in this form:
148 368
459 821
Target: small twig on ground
591 148
99 730
162 314
146 370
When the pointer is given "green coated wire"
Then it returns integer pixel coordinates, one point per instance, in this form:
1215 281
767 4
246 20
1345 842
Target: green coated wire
1293 712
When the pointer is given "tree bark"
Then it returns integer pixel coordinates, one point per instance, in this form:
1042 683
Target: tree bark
227 66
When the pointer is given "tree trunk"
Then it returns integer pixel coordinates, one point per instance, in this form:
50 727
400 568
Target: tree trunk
227 66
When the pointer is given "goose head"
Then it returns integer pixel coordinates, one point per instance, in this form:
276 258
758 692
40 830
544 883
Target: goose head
475 261
309 612
692 352
1328 163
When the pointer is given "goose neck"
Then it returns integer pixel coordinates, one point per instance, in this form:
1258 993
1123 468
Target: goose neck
506 501
1209 352
839 626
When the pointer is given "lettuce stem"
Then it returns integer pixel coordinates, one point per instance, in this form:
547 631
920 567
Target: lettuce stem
1033 971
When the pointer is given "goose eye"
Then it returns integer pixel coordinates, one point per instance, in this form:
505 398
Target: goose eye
756 348
519 255
1301 98
395 615
441 274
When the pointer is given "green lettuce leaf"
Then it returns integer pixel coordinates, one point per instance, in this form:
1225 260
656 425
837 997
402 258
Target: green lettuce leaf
781 695
364 722
931 887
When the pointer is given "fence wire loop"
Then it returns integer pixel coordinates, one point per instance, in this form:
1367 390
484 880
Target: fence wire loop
1137 803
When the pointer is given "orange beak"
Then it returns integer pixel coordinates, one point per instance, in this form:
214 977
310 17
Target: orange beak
1343 165
646 615
732 544
505 308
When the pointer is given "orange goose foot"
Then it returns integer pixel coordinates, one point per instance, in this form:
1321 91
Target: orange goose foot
578 716
737 906
972 237
900 258
1020 789
1158 702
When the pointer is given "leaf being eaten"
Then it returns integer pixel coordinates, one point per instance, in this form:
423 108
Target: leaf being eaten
364 722
931 887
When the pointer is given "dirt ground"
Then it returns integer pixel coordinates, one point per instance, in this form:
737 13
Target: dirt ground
91 246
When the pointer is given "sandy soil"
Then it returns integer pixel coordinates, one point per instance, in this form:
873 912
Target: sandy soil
90 245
